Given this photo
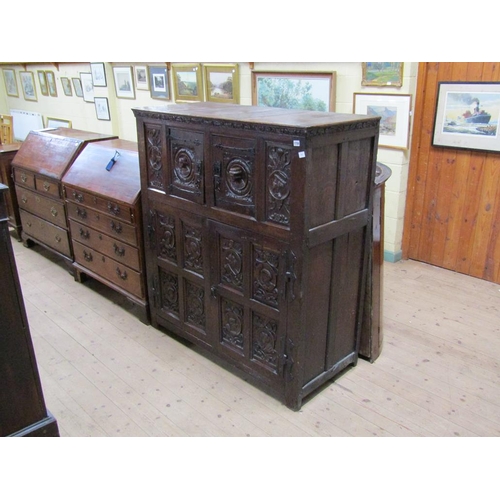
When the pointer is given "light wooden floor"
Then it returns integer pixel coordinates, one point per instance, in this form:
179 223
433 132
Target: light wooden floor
104 373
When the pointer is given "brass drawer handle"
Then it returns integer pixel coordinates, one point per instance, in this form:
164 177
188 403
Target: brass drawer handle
82 213
53 211
78 197
46 186
114 209
84 234
88 256
28 224
24 178
116 227
58 239
118 251
121 275
24 199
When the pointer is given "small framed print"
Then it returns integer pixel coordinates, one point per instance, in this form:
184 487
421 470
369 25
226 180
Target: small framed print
124 82
382 74
102 108
51 83
28 85
98 74
42 80
159 82
58 123
9 76
77 84
187 82
141 78
66 85
87 87
222 83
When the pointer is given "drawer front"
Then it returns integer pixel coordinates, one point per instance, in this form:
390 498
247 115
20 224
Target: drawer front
24 178
43 206
112 208
47 233
103 223
105 244
48 187
109 269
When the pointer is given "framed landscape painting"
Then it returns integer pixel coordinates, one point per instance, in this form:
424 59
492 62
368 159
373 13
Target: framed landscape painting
394 111
42 80
158 82
87 87
382 74
467 116
124 82
311 91
187 80
28 85
9 76
222 83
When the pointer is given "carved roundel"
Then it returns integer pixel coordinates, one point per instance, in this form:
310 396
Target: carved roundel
267 277
279 187
238 178
184 165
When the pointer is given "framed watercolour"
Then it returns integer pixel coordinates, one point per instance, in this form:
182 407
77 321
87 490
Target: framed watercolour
382 74
87 87
467 116
141 78
42 80
222 83
311 91
102 108
77 84
9 76
51 83
66 85
98 74
394 110
28 85
57 123
124 82
159 82
187 80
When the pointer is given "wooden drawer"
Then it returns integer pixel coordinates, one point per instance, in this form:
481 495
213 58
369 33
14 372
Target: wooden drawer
41 230
110 207
103 223
48 186
24 178
121 252
109 269
43 206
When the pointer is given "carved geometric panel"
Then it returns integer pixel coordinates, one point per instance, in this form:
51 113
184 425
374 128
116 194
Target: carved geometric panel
169 292
278 185
265 272
232 324
193 249
167 248
264 340
195 305
154 157
231 263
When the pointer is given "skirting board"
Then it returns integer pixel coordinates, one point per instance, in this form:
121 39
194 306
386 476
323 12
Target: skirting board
393 256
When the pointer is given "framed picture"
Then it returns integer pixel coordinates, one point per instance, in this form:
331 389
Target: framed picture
222 83
382 74
394 110
159 82
42 80
467 115
102 108
141 78
9 76
98 74
51 83
124 82
57 123
187 80
312 91
66 85
77 84
28 85
87 87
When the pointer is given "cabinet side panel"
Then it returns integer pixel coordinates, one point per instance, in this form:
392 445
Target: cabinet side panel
345 305
322 184
317 305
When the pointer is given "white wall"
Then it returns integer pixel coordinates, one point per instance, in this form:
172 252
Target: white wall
349 74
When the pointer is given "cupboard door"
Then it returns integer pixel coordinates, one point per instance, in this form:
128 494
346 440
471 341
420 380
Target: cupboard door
248 294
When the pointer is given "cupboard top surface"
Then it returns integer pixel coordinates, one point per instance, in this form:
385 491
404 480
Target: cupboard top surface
296 118
51 153
8 148
89 172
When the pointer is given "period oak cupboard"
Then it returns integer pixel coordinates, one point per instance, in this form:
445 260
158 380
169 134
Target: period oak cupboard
257 227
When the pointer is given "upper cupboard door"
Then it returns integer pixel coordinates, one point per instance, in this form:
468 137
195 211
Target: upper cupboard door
234 174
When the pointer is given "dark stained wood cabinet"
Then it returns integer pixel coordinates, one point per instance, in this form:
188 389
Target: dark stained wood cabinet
38 168
7 153
22 405
256 226
105 219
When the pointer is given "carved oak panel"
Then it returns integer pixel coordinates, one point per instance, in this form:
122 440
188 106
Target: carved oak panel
169 292
278 183
264 342
232 325
154 153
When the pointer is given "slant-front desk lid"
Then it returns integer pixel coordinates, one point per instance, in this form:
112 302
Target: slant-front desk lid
51 151
122 182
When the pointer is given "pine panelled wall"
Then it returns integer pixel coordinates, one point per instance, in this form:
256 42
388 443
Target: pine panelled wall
452 217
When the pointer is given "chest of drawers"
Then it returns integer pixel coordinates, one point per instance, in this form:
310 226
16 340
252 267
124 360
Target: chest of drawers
38 168
105 219
257 235
7 153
